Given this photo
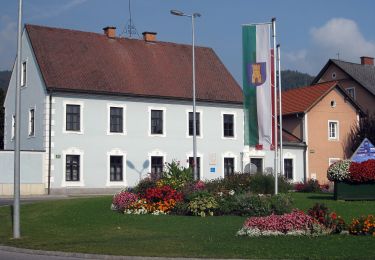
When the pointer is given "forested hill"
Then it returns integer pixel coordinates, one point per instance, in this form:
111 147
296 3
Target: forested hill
4 79
294 79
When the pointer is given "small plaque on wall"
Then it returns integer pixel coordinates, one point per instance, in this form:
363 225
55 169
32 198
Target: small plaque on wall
213 169
212 158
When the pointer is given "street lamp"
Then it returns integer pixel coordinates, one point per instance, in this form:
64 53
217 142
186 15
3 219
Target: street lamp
192 16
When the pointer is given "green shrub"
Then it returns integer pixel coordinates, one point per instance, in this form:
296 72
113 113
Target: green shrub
143 185
202 204
281 204
265 184
176 176
239 182
181 208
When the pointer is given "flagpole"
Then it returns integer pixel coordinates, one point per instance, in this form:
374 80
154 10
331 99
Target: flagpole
275 101
280 113
16 202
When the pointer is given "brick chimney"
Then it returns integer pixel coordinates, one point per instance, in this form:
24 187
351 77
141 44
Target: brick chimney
367 60
149 36
110 31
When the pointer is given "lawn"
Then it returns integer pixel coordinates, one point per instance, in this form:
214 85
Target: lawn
88 225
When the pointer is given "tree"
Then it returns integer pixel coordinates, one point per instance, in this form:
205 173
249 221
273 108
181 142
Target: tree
364 129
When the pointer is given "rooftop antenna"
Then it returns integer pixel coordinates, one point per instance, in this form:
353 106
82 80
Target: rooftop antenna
338 55
130 28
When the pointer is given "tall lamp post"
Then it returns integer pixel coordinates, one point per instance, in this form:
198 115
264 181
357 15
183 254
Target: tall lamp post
192 16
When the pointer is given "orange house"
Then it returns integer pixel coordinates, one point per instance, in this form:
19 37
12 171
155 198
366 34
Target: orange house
357 79
322 116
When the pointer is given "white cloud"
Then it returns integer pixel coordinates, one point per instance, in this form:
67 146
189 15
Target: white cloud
342 36
338 35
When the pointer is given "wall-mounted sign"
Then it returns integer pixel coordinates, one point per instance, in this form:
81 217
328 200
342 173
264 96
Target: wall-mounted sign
212 158
213 169
364 152
58 156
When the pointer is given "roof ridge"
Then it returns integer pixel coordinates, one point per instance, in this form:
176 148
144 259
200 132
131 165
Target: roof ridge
119 38
310 86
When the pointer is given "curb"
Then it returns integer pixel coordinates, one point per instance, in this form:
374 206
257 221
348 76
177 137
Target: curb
90 256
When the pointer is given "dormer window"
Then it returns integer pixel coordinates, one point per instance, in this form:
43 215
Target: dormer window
351 92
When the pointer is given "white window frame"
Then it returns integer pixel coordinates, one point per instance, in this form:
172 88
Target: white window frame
336 138
200 123
23 79
228 155
259 157
109 105
158 153
351 88
116 152
73 151
81 107
234 137
200 155
293 157
332 160
29 124
164 109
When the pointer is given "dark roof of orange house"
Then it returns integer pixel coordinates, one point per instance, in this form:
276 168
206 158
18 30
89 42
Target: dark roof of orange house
79 61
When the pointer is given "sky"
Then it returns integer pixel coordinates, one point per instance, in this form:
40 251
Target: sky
309 32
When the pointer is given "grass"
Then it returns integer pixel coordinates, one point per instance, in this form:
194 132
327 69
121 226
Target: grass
88 225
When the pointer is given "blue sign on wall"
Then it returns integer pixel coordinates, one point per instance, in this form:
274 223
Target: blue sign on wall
364 152
212 169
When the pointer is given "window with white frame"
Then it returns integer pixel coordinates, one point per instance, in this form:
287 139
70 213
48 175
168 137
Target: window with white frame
116 119
191 165
73 118
23 74
228 125
333 130
116 168
288 168
351 92
157 163
32 122
228 166
157 122
258 163
72 167
191 126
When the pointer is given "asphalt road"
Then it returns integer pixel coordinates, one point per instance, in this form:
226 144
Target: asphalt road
6 255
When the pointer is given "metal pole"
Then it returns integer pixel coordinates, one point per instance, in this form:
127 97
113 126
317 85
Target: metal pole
275 101
194 106
16 205
280 114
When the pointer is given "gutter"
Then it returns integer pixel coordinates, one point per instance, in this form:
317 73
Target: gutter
49 143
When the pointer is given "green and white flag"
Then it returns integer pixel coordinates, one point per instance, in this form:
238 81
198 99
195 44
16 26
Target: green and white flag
257 87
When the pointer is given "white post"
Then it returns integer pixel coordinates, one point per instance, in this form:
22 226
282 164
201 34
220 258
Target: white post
275 100
16 203
280 114
194 105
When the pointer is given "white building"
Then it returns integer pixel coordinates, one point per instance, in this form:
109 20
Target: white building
99 112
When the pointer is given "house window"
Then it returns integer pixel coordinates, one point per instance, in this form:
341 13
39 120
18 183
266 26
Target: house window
288 169
191 165
13 125
157 122
116 163
351 92
258 163
116 120
156 164
228 121
73 118
72 167
228 167
333 131
23 74
32 122
197 120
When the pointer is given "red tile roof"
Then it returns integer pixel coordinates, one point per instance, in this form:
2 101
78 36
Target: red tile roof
300 100
72 60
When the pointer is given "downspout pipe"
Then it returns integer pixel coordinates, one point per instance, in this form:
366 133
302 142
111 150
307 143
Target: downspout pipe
49 142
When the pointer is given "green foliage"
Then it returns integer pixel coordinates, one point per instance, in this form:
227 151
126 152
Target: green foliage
293 79
203 204
143 185
365 129
265 184
281 203
176 176
238 182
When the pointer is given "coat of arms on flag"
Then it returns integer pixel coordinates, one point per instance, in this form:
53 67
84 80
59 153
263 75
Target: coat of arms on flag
256 73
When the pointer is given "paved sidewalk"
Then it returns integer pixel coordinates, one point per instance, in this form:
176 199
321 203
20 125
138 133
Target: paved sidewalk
13 253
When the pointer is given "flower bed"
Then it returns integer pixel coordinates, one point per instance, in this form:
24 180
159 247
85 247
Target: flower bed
363 226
